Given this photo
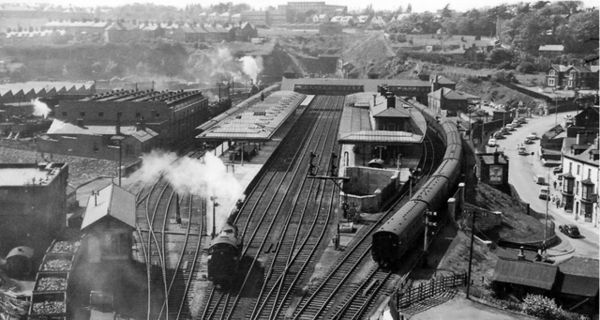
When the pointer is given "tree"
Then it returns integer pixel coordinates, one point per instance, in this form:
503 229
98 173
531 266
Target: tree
446 12
409 8
581 35
399 10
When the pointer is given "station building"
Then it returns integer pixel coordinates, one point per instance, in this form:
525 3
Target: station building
33 204
143 120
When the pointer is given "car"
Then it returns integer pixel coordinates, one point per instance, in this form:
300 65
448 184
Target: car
570 230
511 127
523 151
505 131
522 120
544 193
498 135
528 141
557 170
492 142
532 136
516 124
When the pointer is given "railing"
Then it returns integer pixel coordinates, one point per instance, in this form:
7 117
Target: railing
409 296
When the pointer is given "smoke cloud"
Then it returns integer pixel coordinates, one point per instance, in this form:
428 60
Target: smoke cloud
40 109
206 177
218 65
252 67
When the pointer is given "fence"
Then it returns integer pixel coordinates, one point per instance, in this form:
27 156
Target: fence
428 290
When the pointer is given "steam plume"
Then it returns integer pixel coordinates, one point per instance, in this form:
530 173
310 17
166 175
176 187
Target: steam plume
252 67
205 177
40 109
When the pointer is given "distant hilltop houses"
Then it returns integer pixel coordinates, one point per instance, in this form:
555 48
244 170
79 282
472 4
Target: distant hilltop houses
126 31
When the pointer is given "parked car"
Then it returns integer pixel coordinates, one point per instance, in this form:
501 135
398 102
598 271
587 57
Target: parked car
511 127
529 141
523 151
544 193
498 135
516 123
522 120
570 230
557 170
540 179
505 130
492 142
533 136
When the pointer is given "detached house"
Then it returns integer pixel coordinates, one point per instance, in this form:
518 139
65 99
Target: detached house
572 77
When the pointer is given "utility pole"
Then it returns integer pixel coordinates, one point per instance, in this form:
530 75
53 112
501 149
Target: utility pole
214 222
471 252
312 174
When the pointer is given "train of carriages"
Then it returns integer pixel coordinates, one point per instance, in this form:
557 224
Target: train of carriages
393 238
400 232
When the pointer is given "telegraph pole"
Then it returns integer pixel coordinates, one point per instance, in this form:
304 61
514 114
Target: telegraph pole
471 252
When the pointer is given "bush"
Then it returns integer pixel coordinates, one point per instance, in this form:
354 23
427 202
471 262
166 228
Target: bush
526 67
473 79
506 65
502 76
543 307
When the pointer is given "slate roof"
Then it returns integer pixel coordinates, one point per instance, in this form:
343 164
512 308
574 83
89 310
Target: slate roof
580 276
525 273
112 201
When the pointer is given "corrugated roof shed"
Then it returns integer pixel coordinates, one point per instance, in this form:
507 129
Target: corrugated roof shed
525 273
112 201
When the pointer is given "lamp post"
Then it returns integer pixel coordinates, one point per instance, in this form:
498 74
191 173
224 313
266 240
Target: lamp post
119 139
215 205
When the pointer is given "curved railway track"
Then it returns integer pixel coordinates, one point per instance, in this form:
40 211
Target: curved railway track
176 281
278 218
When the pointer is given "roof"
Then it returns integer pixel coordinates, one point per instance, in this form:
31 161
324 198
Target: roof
525 273
451 94
46 88
489 158
28 174
256 122
586 156
355 124
560 67
581 266
112 201
580 276
368 85
552 47
59 127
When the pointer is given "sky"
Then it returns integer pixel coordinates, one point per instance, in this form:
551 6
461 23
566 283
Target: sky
418 6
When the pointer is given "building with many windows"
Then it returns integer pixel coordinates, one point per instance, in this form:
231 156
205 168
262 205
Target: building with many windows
572 77
580 158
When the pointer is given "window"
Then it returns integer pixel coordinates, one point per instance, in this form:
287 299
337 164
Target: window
64 114
570 166
589 174
82 114
577 188
100 114
137 114
119 114
551 82
552 72
578 166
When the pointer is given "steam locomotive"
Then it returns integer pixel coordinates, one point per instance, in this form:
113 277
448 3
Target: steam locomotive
224 256
400 232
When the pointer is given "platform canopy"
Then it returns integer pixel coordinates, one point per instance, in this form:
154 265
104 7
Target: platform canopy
257 122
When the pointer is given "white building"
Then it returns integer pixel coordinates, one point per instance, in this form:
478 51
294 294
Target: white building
580 159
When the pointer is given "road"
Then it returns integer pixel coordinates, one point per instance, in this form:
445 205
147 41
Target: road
521 172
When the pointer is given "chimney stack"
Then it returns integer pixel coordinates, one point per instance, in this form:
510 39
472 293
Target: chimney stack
391 100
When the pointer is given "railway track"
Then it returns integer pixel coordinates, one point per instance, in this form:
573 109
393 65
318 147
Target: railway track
279 192
334 289
177 276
